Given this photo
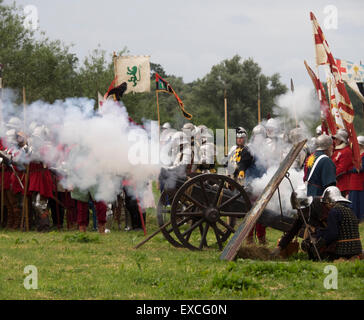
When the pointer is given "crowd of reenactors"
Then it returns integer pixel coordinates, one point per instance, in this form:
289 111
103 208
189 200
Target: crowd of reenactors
33 194
330 204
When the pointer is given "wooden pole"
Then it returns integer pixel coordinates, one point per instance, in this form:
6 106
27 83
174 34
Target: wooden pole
159 120
2 192
24 105
115 67
2 165
256 211
259 115
294 106
25 211
152 235
226 125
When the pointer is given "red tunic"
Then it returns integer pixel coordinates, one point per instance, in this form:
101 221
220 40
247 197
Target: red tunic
343 161
357 179
7 171
40 180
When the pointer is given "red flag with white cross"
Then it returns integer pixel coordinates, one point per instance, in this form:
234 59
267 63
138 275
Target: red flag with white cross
324 56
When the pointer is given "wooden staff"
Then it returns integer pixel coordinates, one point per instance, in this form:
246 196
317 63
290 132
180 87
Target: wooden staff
2 192
2 165
25 211
294 106
114 56
226 127
153 234
24 105
259 118
159 120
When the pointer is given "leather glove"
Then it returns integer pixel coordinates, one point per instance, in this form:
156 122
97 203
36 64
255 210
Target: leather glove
241 174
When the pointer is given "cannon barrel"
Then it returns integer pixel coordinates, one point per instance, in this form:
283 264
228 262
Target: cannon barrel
275 220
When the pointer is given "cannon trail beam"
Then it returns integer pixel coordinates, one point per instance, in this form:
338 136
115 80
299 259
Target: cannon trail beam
256 211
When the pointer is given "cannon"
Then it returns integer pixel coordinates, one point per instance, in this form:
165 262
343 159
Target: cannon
203 211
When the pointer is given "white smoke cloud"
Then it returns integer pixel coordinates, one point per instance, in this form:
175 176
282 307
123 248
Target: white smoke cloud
98 143
302 104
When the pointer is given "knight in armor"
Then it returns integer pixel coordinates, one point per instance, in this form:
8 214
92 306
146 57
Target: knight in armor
14 150
240 157
295 136
319 170
341 238
206 151
311 215
242 161
41 185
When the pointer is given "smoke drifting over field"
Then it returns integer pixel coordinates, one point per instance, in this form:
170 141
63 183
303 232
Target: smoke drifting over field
93 147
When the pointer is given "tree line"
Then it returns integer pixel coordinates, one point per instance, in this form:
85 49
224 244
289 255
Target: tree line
50 71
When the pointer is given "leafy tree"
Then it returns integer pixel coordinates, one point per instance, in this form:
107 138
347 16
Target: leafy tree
45 68
240 82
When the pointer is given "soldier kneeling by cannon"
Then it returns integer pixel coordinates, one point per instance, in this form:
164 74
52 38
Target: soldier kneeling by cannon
331 228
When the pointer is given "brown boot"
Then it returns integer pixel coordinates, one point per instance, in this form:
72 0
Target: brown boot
10 222
250 240
262 240
16 218
101 228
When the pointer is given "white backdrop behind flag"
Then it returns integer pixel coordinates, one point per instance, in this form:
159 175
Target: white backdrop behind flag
135 71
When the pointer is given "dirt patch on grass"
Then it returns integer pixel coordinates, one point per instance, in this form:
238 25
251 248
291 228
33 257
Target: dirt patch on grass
255 253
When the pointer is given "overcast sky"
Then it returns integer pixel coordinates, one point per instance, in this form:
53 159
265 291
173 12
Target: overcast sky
188 37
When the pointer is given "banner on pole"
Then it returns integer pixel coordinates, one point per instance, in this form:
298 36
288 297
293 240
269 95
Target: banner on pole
135 71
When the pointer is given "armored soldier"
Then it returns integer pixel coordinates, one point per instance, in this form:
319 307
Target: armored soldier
320 171
341 238
295 136
240 158
311 215
240 162
41 184
14 154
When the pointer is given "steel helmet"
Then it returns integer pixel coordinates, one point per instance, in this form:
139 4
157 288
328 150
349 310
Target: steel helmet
14 123
323 142
166 125
318 130
299 198
272 127
188 126
332 195
241 132
341 135
296 135
259 130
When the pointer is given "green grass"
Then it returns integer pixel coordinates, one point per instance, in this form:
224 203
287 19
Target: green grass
91 266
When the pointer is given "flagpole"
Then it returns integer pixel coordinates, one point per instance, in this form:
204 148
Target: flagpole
226 127
24 106
294 106
159 120
259 118
2 165
115 69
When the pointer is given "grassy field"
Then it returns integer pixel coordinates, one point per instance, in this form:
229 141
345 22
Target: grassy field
91 266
